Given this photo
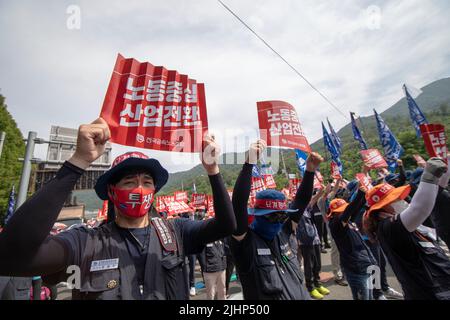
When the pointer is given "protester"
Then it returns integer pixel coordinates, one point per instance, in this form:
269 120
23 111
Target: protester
265 262
420 265
323 204
309 246
214 262
145 256
230 264
355 256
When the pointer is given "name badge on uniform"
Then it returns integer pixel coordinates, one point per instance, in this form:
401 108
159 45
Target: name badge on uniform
263 252
426 244
101 265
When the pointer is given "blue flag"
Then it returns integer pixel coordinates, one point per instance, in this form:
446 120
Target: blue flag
255 172
301 160
11 205
417 117
266 169
392 149
335 138
329 143
357 134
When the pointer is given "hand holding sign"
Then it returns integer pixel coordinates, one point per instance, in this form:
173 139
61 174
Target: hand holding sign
210 155
91 143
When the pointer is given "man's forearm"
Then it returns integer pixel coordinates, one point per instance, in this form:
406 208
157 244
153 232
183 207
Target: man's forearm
33 221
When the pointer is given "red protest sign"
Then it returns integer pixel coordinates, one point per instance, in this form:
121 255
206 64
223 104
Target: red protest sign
102 213
364 180
269 181
294 184
285 191
160 206
335 173
257 185
198 201
420 161
435 140
373 159
210 212
181 196
279 125
154 108
176 207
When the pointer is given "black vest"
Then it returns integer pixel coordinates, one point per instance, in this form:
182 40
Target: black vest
165 271
214 257
275 274
428 278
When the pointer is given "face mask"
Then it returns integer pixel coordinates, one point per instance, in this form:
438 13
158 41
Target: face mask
133 203
399 206
266 229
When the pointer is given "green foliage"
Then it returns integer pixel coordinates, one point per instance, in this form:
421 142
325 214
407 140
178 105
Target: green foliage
13 148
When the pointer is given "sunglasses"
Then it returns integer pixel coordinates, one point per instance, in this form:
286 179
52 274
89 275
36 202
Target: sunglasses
276 217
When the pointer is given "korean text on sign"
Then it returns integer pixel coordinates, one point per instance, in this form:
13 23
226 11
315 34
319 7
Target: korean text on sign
154 108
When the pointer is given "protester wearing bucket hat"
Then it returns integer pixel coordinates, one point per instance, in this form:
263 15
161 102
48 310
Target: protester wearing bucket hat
132 257
355 256
266 263
420 265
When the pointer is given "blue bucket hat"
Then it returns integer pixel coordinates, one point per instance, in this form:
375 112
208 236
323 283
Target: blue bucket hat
269 201
416 175
132 160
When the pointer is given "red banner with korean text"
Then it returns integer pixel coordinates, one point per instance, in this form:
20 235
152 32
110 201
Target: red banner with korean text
269 181
102 213
335 173
151 107
420 161
257 185
160 206
279 125
364 180
435 140
198 201
373 159
176 207
181 196
294 184
318 180
210 212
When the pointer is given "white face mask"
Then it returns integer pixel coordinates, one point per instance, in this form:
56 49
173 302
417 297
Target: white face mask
399 206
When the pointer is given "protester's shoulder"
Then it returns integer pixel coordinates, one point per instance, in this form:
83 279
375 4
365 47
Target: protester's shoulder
392 228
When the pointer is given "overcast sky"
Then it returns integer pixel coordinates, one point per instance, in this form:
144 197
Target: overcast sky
357 52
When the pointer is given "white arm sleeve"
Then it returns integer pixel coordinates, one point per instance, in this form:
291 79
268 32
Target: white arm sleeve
420 207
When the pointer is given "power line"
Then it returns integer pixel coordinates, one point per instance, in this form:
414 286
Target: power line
285 61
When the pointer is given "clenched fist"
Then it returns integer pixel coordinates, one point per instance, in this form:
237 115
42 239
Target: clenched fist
313 161
255 151
91 143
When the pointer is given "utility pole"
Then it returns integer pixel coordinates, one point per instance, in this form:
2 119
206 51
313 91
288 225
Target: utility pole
26 169
2 140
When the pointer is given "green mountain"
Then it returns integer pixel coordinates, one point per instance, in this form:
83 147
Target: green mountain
13 148
434 102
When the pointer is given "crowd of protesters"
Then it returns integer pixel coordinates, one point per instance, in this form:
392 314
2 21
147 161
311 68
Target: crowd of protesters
276 245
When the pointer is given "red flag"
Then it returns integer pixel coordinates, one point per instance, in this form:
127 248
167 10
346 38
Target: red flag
154 108
364 180
335 174
181 196
373 159
435 140
103 212
269 181
279 125
420 161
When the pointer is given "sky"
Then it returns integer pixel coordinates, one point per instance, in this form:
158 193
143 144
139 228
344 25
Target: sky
56 58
